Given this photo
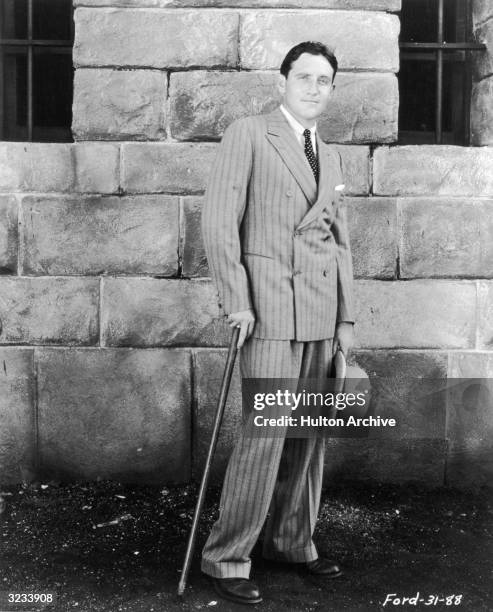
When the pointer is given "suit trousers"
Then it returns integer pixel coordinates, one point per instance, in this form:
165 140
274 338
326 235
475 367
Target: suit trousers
273 478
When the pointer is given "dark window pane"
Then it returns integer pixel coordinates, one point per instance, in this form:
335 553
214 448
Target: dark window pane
419 19
13 16
417 83
15 95
52 90
454 86
52 19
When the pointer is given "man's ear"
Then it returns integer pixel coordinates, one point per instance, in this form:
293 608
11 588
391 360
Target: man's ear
281 85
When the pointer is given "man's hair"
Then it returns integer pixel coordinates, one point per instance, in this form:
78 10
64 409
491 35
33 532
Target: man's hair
315 48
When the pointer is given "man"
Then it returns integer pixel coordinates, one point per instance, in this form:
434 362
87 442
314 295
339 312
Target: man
275 233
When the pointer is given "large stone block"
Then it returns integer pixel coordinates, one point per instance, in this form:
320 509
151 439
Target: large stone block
208 372
481 11
408 386
119 104
483 60
155 38
194 259
362 109
470 419
373 235
415 314
433 170
172 168
8 234
482 113
356 160
155 312
121 414
396 461
360 39
367 5
17 453
446 237
49 310
485 314
96 235
86 167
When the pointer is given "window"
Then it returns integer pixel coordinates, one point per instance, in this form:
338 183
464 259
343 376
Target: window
435 72
36 73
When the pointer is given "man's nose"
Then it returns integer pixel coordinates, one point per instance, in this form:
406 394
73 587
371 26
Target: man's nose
313 87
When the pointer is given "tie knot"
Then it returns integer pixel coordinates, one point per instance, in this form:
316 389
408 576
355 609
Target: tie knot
307 133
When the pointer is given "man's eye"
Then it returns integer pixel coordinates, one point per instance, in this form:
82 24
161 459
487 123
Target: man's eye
323 81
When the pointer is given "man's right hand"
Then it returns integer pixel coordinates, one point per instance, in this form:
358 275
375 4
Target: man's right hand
245 320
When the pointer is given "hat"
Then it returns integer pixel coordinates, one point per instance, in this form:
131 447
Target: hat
351 379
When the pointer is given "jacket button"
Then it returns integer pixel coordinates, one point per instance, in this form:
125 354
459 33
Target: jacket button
326 273
289 193
296 272
297 233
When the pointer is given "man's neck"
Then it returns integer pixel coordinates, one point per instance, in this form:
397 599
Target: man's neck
302 123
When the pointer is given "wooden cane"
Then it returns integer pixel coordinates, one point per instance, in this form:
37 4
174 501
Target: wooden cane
223 395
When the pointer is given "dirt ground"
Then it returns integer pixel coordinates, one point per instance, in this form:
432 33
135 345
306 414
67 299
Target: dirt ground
111 547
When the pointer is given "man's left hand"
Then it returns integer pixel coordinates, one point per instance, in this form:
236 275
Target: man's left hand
343 338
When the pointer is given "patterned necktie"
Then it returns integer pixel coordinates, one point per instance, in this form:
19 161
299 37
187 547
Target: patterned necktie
310 154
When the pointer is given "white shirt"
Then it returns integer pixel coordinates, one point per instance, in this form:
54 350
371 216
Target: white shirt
299 129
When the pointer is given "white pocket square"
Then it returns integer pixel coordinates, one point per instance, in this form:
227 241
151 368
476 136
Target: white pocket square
339 187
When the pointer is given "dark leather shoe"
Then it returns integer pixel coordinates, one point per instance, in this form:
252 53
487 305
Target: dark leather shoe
239 590
323 567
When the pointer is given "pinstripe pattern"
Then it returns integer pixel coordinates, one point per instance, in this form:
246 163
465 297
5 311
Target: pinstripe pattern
285 475
276 243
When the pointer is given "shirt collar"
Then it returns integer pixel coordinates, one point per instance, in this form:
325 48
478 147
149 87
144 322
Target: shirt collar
295 124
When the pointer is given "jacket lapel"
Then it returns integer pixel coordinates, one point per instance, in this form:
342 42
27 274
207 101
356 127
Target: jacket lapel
282 138
326 184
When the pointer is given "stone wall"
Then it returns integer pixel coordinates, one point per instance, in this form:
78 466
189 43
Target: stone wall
112 344
482 91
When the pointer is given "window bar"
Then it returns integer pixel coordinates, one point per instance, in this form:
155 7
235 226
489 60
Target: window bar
439 75
467 77
30 71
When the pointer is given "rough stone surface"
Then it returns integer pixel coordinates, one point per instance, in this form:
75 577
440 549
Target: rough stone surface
49 310
367 5
483 60
16 415
481 11
95 235
97 167
409 387
85 167
373 235
485 314
173 168
356 160
208 372
363 107
470 420
155 38
415 314
155 312
446 237
185 167
360 39
121 414
433 170
397 461
482 113
194 260
119 104
8 235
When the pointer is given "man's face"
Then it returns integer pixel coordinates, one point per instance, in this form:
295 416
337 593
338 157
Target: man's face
307 88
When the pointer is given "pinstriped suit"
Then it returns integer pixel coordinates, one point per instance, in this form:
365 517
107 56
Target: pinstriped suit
278 244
